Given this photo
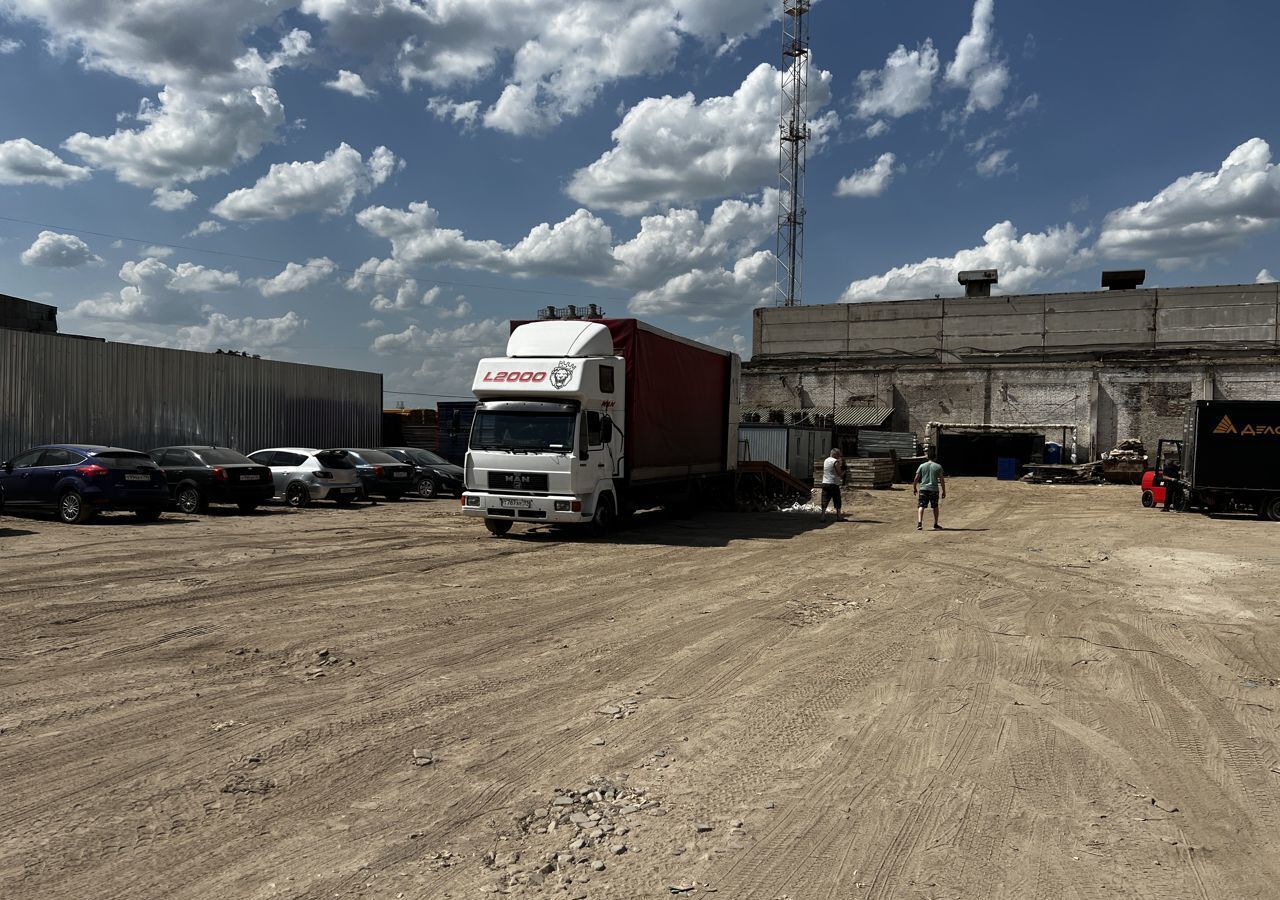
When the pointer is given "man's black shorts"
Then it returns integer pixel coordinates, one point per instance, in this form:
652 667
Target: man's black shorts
928 498
831 494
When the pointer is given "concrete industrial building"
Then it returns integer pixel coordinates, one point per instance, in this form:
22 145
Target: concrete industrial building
1098 366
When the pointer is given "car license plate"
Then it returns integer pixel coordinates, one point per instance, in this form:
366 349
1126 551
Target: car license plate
253 477
515 503
137 478
399 474
346 491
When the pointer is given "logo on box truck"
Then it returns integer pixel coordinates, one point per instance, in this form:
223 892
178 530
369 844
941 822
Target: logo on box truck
534 377
1226 426
561 374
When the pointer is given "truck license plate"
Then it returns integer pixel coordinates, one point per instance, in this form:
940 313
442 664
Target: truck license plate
515 503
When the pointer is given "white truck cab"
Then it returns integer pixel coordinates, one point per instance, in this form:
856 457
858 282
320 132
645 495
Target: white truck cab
546 444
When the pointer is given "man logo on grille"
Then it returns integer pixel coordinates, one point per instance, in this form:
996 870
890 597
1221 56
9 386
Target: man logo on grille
561 374
1224 427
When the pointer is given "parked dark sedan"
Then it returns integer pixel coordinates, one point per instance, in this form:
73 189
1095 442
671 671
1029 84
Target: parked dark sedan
199 476
432 474
80 480
381 474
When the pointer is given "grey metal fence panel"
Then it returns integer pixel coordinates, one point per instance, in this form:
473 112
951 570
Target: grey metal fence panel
764 444
55 388
880 443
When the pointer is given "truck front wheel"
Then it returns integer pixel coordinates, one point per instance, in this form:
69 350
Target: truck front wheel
497 527
603 520
1272 507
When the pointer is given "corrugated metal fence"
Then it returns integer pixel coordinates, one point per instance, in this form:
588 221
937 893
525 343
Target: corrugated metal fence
55 388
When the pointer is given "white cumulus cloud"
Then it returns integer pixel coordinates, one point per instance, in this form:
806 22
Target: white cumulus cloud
996 163
903 86
171 200
248 333
155 293
207 227
704 294
1265 277
328 186
58 251
297 277
681 150
976 67
552 56
871 181
1200 214
1023 261
24 162
185 137
351 83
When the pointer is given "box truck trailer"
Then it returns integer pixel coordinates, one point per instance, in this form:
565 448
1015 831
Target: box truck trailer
584 421
1229 458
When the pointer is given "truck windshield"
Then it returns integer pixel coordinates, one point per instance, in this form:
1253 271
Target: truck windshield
535 431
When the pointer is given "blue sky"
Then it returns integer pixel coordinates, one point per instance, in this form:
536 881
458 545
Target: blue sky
382 184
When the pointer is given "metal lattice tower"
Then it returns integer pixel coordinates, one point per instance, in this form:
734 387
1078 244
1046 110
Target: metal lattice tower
791 149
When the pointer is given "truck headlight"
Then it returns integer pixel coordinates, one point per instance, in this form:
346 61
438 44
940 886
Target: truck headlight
562 506
472 501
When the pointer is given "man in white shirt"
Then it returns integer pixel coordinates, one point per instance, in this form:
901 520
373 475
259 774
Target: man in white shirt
832 478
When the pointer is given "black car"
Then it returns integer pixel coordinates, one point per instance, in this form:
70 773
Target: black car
433 474
199 476
380 473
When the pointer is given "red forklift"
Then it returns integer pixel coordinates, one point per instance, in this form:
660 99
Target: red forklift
1168 466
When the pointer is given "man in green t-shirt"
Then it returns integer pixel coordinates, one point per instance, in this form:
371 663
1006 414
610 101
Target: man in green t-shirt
931 483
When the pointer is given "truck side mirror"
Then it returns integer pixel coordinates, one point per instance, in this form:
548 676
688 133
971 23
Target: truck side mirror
606 430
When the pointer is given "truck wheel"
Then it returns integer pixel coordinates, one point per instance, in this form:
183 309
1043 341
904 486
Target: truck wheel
297 495
603 520
1148 499
1272 506
497 527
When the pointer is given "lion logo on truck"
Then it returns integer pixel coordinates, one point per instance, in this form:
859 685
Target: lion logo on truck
561 374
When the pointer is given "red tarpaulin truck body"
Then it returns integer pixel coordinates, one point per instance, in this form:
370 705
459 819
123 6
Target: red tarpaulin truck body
681 403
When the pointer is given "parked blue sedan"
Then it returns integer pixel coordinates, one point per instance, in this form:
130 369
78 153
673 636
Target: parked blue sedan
79 480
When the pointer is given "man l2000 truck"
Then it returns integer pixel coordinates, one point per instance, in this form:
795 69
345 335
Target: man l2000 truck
584 421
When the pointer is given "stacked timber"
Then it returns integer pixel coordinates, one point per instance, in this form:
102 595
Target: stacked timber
875 472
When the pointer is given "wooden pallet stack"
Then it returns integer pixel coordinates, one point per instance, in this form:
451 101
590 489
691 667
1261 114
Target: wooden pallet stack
874 473
870 472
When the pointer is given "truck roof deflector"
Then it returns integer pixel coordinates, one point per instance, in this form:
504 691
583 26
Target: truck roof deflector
560 340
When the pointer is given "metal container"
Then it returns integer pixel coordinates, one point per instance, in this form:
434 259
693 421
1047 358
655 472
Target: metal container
57 388
794 450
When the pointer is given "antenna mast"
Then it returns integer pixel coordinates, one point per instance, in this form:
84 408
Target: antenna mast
794 133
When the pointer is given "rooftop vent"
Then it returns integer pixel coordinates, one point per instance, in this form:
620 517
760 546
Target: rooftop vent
977 282
1123 279
592 311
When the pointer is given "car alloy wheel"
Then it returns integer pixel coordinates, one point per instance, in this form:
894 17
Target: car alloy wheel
72 508
427 488
297 495
189 500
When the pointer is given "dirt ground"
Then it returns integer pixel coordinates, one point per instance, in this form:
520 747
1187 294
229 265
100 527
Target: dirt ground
1062 696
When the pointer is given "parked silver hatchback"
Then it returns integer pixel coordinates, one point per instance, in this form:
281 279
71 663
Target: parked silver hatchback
302 474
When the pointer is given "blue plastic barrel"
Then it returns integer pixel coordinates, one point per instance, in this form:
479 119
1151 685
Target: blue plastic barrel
1007 468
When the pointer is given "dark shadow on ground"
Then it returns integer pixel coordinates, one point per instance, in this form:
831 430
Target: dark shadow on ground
15 532
115 517
712 529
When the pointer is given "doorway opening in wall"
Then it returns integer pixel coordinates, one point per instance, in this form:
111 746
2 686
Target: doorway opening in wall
980 454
